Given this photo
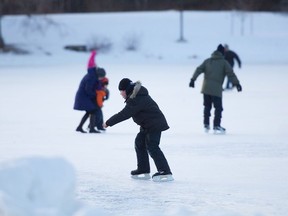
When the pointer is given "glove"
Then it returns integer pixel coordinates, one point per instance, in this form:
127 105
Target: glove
239 87
192 84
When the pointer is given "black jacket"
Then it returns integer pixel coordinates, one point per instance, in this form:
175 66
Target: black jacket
230 56
143 109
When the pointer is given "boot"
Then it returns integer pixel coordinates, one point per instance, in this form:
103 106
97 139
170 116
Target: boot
139 172
83 120
219 130
162 176
92 124
92 130
80 129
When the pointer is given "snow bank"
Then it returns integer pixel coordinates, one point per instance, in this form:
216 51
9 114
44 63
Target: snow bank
245 32
40 186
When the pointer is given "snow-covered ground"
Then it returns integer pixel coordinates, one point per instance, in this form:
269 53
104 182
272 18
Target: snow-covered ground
47 169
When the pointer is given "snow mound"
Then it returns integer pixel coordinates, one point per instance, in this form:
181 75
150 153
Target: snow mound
39 186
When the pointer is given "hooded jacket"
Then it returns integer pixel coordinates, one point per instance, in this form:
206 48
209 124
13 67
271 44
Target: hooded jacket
143 110
85 98
215 69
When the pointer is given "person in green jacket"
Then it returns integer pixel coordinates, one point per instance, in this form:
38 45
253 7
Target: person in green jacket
215 69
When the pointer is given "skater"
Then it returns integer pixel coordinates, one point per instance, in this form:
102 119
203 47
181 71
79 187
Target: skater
230 56
85 99
215 69
146 113
102 95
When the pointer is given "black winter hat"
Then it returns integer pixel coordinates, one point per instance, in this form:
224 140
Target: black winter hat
220 48
126 85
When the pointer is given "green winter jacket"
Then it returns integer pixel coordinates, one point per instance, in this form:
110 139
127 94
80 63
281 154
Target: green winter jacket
215 69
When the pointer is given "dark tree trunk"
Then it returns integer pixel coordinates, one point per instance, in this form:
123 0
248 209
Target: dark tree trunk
2 43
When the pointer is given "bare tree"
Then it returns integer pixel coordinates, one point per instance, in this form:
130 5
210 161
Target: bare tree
35 11
3 5
2 43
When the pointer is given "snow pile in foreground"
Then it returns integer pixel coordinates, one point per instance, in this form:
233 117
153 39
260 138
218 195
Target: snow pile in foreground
40 186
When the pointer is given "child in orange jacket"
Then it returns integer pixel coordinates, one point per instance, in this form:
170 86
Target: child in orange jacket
101 95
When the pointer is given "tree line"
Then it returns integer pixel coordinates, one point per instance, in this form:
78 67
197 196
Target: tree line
33 7
76 6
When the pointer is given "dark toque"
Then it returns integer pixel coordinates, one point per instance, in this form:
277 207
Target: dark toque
220 48
126 85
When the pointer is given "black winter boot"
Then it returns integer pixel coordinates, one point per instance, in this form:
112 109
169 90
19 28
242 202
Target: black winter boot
92 124
83 120
139 172
80 129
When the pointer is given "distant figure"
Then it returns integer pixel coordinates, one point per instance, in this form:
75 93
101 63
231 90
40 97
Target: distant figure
85 99
230 56
146 113
215 69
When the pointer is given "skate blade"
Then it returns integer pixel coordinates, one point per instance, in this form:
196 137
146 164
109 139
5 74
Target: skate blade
144 176
219 132
163 178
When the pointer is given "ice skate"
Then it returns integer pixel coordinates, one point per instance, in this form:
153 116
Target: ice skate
219 130
162 176
206 128
140 175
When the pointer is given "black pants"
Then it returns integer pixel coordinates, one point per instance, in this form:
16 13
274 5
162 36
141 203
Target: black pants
99 119
217 103
88 114
148 143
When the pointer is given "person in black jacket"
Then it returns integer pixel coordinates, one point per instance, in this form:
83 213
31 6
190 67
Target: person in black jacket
146 113
230 56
